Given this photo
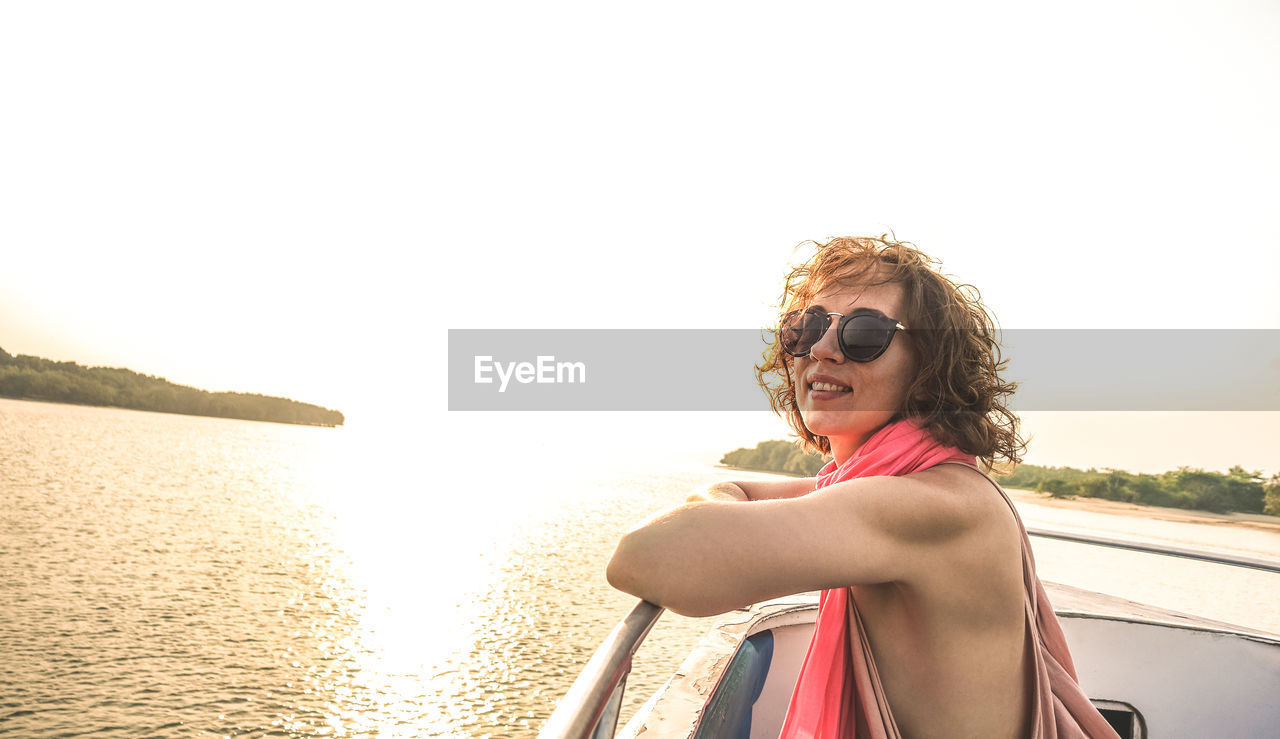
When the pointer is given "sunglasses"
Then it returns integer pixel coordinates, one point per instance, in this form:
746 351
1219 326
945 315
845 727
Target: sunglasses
863 334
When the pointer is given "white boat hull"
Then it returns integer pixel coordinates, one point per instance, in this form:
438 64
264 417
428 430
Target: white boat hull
1155 673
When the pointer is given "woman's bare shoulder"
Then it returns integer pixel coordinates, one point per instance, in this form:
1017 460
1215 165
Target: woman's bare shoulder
977 498
990 554
963 481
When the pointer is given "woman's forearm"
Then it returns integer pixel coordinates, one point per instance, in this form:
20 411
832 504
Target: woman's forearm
775 489
642 566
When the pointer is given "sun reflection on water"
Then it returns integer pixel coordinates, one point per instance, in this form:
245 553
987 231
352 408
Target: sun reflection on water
476 601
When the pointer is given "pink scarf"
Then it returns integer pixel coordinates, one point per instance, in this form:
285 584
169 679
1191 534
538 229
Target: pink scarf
835 688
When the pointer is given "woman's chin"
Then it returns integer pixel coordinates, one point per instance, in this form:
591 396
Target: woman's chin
839 423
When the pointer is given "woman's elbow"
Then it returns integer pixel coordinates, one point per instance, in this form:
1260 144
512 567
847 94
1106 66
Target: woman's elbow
637 563
630 572
621 571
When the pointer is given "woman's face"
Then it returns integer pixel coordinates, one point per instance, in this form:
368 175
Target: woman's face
869 393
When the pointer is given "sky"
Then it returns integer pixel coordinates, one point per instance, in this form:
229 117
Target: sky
302 198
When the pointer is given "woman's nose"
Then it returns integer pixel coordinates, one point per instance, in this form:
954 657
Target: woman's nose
828 347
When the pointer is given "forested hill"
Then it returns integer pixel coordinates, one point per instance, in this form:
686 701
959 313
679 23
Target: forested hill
34 378
775 456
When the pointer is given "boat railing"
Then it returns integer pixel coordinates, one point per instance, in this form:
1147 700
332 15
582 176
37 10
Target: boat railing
1236 560
590 709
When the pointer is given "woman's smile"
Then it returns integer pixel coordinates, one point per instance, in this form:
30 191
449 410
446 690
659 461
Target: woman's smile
824 387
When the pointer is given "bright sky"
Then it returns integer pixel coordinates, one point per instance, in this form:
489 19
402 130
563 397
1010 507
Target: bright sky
301 198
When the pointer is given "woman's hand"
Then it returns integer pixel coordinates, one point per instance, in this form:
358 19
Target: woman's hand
740 492
718 491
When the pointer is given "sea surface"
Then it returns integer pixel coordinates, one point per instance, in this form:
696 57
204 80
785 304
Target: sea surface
169 576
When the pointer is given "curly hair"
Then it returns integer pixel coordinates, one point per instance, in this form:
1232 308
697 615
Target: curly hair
957 393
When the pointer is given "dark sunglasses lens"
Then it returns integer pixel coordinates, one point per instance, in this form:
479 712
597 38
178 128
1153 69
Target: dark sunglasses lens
801 330
865 337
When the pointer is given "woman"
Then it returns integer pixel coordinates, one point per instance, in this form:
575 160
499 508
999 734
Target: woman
932 621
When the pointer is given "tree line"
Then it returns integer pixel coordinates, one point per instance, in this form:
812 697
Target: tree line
775 456
1237 490
35 378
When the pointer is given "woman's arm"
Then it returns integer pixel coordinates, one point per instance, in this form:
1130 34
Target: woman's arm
704 558
754 490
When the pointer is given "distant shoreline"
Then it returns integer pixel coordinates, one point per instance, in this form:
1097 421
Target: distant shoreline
166 413
25 377
1101 505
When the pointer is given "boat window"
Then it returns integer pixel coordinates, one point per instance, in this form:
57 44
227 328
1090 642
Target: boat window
728 712
1124 718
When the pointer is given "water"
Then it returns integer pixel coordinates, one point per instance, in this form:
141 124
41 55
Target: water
169 576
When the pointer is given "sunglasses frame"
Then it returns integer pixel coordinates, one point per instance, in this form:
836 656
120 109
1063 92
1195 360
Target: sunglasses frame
893 326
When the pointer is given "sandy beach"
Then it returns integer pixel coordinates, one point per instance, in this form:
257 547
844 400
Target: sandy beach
1157 513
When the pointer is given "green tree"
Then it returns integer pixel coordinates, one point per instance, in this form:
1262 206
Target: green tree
775 456
1056 488
1272 496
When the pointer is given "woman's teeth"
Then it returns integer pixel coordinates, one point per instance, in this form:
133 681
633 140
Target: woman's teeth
828 386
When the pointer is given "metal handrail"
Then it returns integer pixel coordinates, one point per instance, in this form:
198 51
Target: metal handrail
597 693
1139 546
